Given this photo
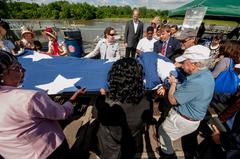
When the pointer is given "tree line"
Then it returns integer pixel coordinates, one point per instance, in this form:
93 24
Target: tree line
64 10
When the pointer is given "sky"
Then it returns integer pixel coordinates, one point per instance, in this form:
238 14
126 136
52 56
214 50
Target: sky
155 4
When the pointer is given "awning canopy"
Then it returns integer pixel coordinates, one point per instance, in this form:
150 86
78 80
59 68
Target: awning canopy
216 9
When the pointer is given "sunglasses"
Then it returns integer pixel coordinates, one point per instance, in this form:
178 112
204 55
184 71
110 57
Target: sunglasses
111 34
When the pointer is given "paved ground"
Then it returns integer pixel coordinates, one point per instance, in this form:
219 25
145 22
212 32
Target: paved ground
147 149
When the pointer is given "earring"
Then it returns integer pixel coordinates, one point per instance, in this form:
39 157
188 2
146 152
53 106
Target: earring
1 81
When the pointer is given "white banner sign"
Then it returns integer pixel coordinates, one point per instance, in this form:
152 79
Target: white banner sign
193 19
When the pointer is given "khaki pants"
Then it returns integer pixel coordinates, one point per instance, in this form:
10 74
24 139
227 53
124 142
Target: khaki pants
173 128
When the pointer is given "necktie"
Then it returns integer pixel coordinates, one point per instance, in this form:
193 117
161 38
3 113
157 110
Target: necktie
163 51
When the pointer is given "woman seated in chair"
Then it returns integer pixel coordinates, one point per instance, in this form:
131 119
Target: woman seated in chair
5 44
27 40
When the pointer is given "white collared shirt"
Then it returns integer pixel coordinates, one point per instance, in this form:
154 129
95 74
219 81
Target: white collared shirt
135 25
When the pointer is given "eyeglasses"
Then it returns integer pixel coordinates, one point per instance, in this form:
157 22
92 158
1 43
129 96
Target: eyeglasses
111 34
17 68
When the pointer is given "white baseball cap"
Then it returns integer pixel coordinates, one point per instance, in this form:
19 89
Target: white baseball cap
196 52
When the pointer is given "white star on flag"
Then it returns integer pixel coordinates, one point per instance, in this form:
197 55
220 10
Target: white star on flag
38 56
59 84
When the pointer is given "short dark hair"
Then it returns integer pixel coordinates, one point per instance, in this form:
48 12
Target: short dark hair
37 45
4 24
175 27
218 36
150 28
6 60
166 28
125 81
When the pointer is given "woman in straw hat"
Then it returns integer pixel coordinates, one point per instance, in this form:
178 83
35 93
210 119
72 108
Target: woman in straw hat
27 38
53 46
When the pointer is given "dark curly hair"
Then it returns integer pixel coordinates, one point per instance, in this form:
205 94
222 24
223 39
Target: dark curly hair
6 60
231 49
125 81
4 24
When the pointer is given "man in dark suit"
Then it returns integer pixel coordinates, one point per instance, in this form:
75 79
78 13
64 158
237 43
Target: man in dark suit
133 33
167 45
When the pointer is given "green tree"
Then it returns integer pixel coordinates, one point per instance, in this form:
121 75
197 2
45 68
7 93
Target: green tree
4 9
143 12
66 10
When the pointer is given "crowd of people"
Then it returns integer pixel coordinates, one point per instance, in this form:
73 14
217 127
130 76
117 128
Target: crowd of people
27 41
28 120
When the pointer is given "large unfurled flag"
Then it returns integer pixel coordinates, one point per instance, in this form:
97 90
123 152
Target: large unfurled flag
57 74
157 68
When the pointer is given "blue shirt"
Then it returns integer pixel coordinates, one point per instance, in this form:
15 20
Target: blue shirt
195 94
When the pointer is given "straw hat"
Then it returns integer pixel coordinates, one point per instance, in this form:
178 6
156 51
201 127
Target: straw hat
50 32
25 30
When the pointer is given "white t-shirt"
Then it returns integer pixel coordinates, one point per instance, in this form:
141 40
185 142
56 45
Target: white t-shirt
146 45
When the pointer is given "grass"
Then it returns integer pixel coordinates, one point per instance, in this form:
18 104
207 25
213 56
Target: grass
207 22
221 22
179 21
147 21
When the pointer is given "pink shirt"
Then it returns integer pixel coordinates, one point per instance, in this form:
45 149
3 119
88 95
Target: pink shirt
28 123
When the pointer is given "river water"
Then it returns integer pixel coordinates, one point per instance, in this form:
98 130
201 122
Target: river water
90 30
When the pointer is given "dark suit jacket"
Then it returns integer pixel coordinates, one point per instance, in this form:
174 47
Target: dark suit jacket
130 37
172 46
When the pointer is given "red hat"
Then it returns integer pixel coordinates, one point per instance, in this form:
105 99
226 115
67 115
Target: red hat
50 32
